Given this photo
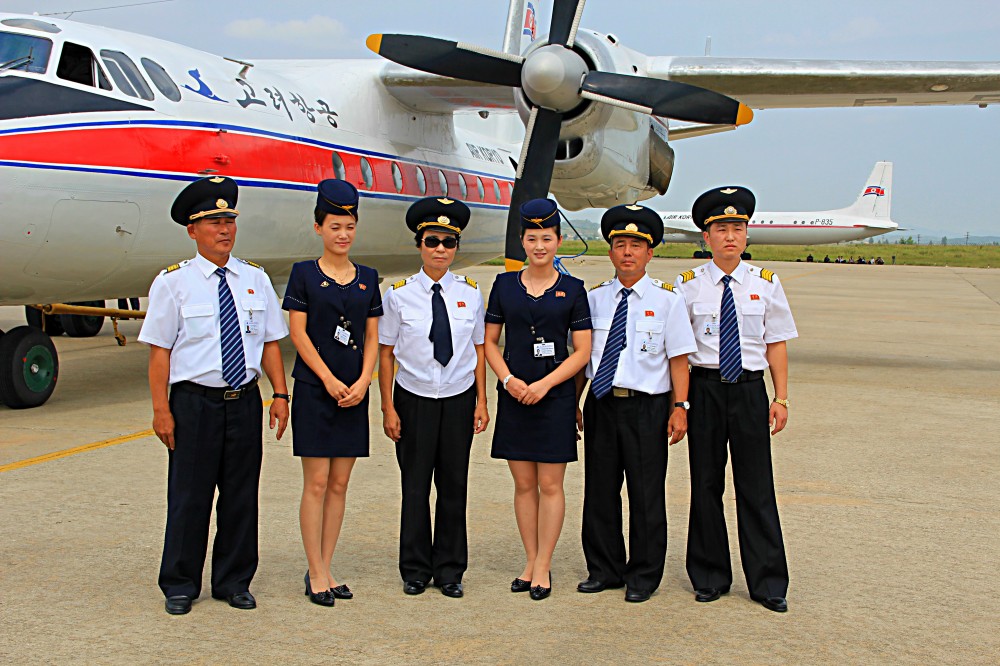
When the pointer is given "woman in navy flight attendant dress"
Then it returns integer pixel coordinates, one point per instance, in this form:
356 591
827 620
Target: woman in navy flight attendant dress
535 428
333 306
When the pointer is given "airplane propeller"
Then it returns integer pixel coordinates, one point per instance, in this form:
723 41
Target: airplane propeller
555 79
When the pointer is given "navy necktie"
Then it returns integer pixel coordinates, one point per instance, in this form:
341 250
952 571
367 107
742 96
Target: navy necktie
440 327
730 357
234 364
604 378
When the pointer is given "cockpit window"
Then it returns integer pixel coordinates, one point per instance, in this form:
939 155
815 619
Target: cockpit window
78 64
161 79
24 53
126 74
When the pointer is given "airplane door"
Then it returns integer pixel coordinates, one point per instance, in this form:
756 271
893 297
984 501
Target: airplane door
86 241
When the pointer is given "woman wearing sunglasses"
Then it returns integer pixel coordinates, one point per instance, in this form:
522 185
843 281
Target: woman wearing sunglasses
433 328
535 430
333 308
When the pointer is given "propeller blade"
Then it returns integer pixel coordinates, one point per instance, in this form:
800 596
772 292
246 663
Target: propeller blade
669 99
565 21
534 175
454 59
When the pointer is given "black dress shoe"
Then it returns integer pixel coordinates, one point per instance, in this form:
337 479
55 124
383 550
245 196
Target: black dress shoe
538 592
706 594
453 590
242 600
520 585
342 592
414 587
636 596
178 605
324 598
776 604
590 586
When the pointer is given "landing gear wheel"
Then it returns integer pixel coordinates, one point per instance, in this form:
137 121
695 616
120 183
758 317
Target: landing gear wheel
698 254
83 326
29 366
52 323
746 256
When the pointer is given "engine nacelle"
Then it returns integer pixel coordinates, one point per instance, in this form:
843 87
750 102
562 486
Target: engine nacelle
607 155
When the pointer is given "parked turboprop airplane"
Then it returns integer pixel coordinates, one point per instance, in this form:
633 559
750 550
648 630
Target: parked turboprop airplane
100 128
867 216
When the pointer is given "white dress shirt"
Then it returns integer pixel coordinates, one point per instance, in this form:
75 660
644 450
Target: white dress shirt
657 329
761 310
406 326
183 316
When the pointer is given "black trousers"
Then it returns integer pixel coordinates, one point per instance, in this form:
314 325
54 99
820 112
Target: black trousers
735 414
625 437
217 444
435 445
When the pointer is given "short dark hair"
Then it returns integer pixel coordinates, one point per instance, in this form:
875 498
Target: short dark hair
319 215
557 229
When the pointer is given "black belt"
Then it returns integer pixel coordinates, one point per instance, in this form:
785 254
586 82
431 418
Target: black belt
214 392
713 373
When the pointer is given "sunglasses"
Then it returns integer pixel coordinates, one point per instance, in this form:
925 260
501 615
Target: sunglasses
433 241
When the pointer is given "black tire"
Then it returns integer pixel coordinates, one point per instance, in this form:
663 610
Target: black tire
83 326
746 256
29 367
698 254
53 323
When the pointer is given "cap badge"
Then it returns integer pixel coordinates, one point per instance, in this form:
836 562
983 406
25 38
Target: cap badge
631 227
217 179
730 210
221 203
347 207
729 190
446 201
633 207
444 219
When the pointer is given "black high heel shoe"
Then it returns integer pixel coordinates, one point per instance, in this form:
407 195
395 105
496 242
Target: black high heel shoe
538 592
324 598
342 592
520 585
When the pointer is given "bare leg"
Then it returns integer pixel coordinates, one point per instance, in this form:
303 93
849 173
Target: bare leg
315 472
525 475
551 511
333 508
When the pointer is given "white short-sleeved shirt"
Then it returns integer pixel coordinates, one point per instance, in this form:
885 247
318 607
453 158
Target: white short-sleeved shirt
762 312
406 325
657 330
183 316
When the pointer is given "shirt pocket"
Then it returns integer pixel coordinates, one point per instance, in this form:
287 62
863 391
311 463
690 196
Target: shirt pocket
753 319
199 320
602 326
412 319
462 321
649 329
705 319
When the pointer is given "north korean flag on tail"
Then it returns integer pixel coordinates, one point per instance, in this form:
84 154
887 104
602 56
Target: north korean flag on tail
530 23
874 189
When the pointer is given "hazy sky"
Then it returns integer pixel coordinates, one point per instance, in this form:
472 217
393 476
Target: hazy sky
946 159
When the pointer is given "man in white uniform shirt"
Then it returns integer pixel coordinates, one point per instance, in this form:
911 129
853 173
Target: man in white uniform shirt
212 327
639 354
741 320
433 327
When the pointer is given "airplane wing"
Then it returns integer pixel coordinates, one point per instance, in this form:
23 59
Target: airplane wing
431 93
771 83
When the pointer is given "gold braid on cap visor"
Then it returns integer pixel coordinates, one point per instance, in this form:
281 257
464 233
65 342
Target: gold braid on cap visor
539 220
745 218
347 209
436 223
208 213
638 234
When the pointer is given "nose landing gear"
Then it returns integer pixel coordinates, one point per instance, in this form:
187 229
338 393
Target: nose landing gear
29 367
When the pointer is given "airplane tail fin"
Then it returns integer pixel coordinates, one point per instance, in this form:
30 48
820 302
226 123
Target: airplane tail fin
522 22
875 200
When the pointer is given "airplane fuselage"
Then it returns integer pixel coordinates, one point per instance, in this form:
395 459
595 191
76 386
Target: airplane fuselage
814 228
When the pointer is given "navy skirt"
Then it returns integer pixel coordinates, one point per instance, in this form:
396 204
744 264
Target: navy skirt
322 429
544 432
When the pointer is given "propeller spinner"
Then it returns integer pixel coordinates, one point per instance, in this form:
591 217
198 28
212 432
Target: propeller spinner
556 80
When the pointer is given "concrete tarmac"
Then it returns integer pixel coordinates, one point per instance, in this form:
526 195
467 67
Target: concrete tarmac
887 481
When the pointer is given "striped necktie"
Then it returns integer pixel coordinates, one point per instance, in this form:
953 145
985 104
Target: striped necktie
730 357
604 378
234 364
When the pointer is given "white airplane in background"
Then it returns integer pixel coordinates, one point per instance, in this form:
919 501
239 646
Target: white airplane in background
100 128
868 216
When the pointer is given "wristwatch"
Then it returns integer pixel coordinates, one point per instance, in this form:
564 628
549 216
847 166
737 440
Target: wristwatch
281 395
505 380
684 405
783 403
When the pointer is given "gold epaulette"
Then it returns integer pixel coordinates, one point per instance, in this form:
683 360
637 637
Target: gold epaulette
250 263
397 285
171 269
174 267
665 285
767 275
467 280
603 284
687 276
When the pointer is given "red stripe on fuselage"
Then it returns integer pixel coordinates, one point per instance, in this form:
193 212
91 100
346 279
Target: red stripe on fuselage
229 153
